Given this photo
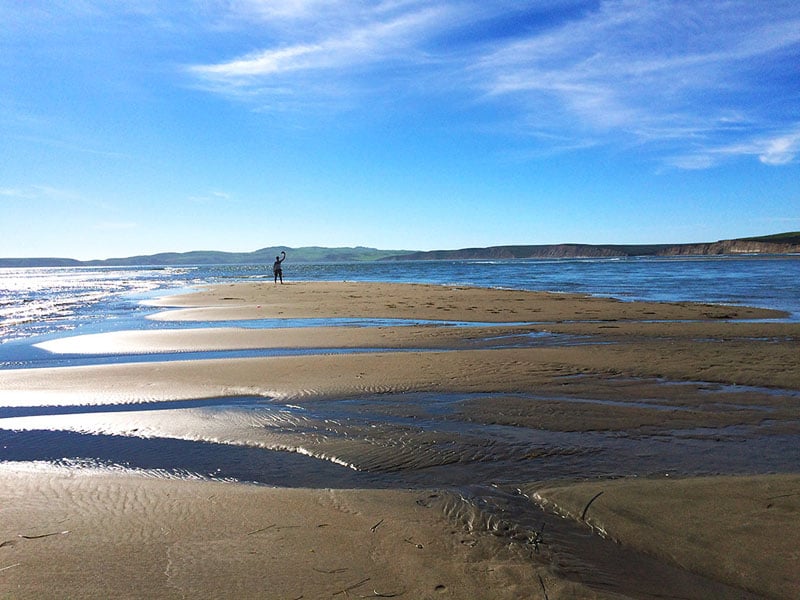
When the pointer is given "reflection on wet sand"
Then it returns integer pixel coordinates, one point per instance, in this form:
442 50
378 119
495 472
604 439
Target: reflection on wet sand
430 438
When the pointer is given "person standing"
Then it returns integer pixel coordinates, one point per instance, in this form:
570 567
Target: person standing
277 270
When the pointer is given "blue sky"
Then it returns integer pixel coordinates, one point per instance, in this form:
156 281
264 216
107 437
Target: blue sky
145 126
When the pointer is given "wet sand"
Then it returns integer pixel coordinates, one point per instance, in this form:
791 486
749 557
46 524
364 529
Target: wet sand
740 530
170 539
66 535
93 535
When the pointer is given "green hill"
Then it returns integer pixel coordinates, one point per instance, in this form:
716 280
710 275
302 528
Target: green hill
780 243
309 254
792 237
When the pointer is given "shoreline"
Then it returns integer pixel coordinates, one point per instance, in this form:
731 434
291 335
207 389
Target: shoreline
598 387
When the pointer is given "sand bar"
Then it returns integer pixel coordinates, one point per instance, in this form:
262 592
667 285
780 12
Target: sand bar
431 302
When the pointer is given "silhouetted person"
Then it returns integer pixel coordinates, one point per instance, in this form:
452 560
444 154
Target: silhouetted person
277 271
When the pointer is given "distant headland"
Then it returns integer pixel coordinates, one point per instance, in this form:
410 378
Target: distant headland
781 243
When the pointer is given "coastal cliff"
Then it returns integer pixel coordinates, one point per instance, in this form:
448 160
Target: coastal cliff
784 243
741 246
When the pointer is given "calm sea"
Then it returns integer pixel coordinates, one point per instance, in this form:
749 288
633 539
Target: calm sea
47 301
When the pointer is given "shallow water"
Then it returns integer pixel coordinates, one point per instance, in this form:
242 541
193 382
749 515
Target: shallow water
384 440
44 301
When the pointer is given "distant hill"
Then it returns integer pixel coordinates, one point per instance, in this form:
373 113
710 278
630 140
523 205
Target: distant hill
539 251
211 257
781 243
262 256
792 237
23 263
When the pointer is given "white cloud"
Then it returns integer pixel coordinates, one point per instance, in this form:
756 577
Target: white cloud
694 162
775 149
212 196
285 9
372 42
781 150
635 64
41 192
670 73
264 63
688 76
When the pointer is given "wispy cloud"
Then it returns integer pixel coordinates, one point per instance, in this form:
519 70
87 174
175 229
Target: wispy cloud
693 78
41 192
44 195
15 193
302 65
282 11
780 150
213 196
656 71
775 149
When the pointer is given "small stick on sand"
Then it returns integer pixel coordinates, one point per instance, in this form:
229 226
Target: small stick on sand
544 590
374 527
43 535
260 530
10 566
332 571
784 496
351 587
588 504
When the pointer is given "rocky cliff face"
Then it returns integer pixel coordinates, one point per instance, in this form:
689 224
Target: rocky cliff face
508 252
730 247
785 244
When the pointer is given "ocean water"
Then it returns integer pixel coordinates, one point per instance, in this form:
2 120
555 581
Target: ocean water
52 301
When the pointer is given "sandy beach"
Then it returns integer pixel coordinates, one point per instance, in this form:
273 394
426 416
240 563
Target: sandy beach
107 536
594 365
